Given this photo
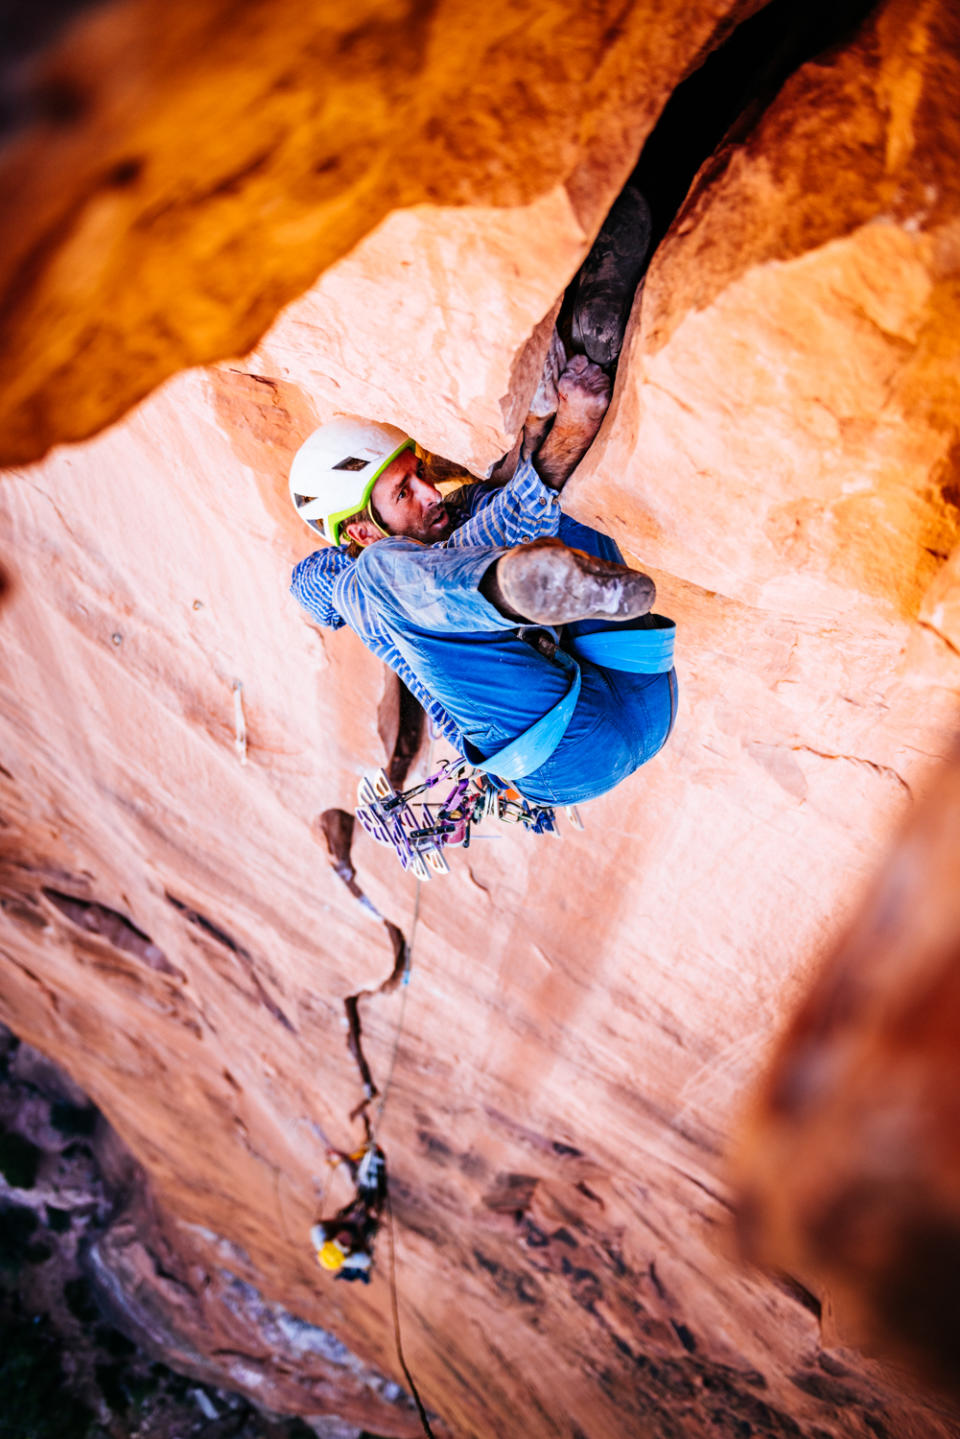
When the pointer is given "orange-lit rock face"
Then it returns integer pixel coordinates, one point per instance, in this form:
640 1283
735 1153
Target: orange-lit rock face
582 1018
399 321
785 431
175 172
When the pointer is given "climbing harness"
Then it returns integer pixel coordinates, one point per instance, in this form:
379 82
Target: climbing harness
645 647
479 787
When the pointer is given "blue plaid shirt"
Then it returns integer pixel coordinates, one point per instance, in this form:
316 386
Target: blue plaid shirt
483 514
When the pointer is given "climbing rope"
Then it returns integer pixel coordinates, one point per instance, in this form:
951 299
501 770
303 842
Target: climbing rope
418 836
374 1128
370 1148
396 1320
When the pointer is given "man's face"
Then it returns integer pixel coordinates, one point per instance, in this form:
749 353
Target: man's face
408 504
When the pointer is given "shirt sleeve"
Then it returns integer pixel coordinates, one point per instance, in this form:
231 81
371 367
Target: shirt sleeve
312 585
523 509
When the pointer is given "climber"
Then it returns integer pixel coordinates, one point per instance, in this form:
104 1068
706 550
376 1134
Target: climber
507 619
344 1243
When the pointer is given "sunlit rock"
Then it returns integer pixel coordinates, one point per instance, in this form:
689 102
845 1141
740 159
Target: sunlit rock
172 172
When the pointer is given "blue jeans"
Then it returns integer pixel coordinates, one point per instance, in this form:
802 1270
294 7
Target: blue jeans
495 685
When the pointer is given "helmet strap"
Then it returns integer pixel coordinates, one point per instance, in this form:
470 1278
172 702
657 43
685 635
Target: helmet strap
369 513
376 519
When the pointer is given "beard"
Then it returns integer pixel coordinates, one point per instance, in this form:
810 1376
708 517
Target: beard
436 523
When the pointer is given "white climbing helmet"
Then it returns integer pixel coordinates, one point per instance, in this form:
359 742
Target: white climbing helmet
334 471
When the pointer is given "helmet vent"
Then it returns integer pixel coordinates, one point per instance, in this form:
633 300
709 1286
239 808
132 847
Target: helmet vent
351 463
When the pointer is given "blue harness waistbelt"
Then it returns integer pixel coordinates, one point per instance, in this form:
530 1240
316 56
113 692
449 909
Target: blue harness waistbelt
647 650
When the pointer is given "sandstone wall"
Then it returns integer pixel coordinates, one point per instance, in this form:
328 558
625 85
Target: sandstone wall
582 1019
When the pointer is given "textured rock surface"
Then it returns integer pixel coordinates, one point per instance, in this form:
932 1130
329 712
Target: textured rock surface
398 321
860 1111
582 1020
171 173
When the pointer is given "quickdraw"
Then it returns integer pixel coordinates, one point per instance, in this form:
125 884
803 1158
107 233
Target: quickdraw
418 831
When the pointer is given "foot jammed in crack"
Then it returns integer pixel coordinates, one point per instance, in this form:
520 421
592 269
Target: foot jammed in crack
583 394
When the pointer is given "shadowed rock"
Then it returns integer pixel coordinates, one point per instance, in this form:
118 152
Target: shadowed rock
850 1169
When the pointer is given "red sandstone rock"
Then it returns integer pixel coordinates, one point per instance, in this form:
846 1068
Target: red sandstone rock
582 1020
788 406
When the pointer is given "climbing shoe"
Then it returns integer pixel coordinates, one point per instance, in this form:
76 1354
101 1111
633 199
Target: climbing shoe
547 583
608 278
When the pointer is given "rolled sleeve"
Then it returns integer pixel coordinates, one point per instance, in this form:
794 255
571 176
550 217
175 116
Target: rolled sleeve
524 509
312 584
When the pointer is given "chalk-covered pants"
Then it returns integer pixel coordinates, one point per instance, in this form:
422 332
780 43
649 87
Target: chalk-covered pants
495 685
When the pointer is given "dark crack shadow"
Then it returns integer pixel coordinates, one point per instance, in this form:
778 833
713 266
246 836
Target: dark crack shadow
242 956
114 927
401 725
723 98
337 828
